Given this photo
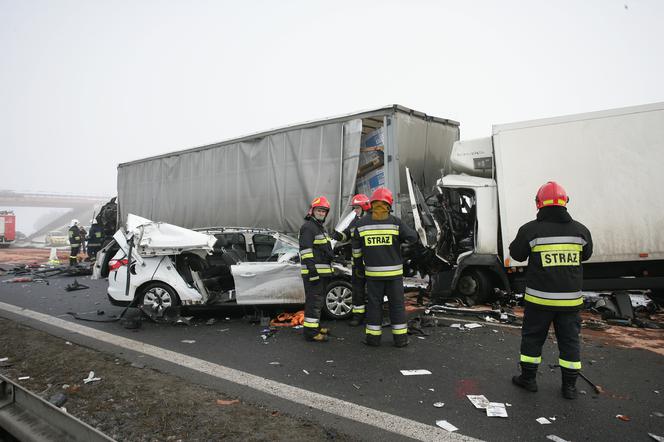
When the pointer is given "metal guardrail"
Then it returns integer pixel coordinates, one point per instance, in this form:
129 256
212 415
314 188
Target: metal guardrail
27 417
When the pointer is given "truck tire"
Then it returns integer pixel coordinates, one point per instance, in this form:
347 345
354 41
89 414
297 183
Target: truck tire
474 287
338 299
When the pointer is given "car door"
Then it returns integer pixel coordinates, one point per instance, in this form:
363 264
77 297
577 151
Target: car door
425 224
268 282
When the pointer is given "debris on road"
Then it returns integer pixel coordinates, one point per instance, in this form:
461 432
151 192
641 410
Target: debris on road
58 399
414 372
555 438
623 417
4 359
91 378
76 286
446 425
439 404
210 321
305 371
543 421
227 402
275 363
479 401
658 414
23 378
288 319
656 437
496 409
188 341
473 325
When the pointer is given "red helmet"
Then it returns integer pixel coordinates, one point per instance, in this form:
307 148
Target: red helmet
361 200
382 194
321 201
551 194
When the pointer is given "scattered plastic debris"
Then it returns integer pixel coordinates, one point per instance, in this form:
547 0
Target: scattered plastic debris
455 326
91 378
507 404
65 386
446 425
657 438
68 343
414 372
329 361
420 337
658 414
555 438
275 363
473 325
23 378
543 421
356 386
4 359
431 389
58 399
211 321
623 417
479 401
439 404
188 341
305 371
227 402
223 330
496 409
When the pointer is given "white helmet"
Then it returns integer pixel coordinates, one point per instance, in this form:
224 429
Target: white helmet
74 222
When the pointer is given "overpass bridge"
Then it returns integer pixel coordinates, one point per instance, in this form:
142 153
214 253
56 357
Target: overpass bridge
82 206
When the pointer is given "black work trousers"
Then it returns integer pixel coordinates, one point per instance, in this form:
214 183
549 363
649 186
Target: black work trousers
313 304
73 254
376 290
536 323
359 295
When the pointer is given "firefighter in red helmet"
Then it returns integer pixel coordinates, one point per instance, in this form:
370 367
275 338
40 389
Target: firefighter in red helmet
316 261
377 240
555 245
360 204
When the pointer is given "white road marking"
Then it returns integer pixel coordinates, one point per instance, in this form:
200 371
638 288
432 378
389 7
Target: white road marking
385 421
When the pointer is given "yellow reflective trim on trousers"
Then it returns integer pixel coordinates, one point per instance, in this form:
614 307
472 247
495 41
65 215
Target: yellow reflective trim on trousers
531 359
357 255
321 241
359 310
390 273
373 332
569 364
314 278
324 271
554 302
379 232
305 271
307 255
310 324
400 331
558 248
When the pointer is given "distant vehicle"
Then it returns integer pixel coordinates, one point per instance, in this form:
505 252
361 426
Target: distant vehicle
56 238
7 228
173 266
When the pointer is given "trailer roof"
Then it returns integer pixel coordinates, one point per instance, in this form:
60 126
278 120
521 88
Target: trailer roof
497 128
366 115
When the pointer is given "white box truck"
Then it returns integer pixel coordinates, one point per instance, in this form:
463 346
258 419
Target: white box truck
611 164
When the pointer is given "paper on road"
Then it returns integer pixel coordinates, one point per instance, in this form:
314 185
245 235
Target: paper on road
446 425
496 409
414 372
479 401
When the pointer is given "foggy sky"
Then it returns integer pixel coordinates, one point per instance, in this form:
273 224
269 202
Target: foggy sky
85 85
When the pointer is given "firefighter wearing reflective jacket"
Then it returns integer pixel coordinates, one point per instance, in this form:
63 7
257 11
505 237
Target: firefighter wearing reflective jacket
377 239
316 260
74 242
360 204
95 239
555 245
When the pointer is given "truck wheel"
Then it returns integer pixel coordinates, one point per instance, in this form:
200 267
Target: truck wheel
158 296
474 287
338 300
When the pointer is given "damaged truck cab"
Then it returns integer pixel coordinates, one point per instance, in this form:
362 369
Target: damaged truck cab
609 163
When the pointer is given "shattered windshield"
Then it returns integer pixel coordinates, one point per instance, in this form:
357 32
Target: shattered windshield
285 248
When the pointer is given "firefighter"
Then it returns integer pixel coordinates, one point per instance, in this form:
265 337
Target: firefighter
74 242
377 240
316 260
360 204
555 245
95 239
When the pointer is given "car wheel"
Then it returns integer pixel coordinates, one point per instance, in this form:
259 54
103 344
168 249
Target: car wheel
474 287
338 300
158 297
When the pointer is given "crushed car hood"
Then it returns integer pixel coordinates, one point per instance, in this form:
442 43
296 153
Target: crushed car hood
156 238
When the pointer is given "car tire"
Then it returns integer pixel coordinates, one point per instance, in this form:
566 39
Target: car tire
338 300
474 287
158 296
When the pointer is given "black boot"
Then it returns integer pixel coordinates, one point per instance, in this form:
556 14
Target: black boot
527 379
400 340
569 383
356 319
371 340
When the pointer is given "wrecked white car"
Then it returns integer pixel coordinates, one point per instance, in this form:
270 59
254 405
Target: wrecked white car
172 266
